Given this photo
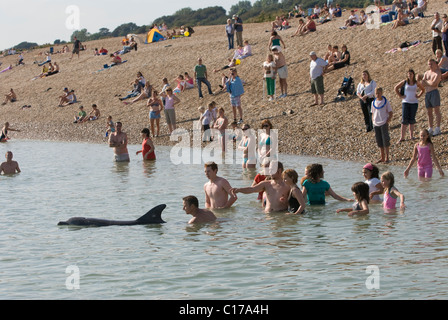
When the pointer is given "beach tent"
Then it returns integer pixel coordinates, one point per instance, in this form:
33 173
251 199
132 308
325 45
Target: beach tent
153 36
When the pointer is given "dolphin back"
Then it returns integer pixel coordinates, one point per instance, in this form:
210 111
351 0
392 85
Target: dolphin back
152 216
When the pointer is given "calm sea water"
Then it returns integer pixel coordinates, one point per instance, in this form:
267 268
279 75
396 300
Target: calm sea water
246 255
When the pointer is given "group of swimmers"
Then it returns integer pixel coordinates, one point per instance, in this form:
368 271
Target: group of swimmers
280 191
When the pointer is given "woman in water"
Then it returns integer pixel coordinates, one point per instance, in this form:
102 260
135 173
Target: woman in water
147 146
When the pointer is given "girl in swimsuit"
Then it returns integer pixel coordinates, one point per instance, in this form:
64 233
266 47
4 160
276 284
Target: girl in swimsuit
424 151
391 194
221 124
296 201
247 145
361 206
155 106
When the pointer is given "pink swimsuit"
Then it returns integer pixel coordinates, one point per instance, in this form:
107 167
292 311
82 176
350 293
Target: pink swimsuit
389 201
424 162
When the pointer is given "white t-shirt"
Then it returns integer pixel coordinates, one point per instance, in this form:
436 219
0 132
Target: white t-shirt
207 117
438 25
354 18
372 183
269 69
317 67
380 111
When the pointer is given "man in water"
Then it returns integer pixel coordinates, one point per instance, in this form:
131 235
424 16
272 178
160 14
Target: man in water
191 206
277 191
217 189
9 166
119 141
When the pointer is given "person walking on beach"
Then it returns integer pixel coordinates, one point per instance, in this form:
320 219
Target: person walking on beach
9 166
317 69
119 141
217 189
200 73
238 25
430 81
76 47
191 206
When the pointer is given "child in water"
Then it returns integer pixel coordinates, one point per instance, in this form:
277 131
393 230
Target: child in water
371 174
361 206
424 151
391 194
315 188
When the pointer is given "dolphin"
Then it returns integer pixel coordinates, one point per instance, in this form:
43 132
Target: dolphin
153 216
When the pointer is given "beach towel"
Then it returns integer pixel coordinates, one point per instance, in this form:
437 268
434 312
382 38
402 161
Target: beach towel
4 70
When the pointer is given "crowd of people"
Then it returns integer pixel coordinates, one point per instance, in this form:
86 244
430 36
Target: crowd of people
279 189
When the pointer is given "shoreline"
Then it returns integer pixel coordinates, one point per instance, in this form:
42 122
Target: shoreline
334 130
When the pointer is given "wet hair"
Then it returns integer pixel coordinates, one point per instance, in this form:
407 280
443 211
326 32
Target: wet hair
191 200
145 131
292 174
212 165
361 190
315 172
389 176
428 139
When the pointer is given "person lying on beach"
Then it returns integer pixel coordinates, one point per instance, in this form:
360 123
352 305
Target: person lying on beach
136 90
9 166
230 65
10 96
116 59
47 60
191 206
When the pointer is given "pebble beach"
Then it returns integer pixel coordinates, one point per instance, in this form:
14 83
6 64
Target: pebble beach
334 130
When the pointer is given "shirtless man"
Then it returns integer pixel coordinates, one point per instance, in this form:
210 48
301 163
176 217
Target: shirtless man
93 115
277 191
11 96
430 81
191 206
119 141
217 190
9 166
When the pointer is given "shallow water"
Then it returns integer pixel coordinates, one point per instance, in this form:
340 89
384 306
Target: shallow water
246 255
